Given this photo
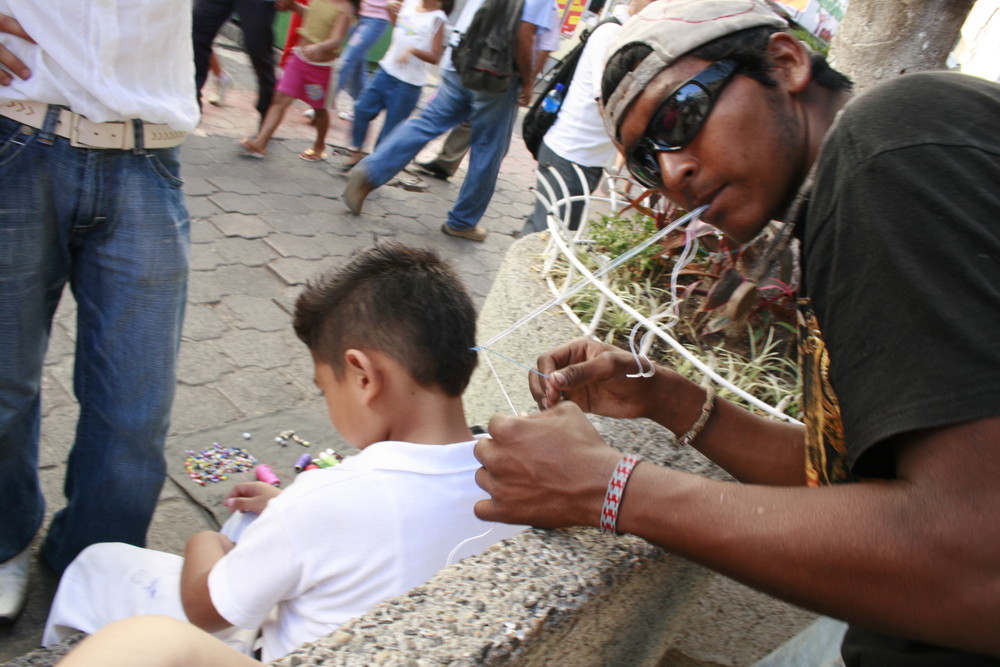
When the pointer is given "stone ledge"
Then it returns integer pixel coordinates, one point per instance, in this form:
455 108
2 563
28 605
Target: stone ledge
566 597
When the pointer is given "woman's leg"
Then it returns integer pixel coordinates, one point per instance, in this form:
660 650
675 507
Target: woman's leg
353 73
272 120
401 102
371 102
322 123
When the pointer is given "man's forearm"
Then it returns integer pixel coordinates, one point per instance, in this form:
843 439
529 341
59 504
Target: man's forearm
914 557
524 52
776 455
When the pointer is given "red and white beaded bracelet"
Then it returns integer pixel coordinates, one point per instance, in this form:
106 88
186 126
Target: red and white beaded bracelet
616 489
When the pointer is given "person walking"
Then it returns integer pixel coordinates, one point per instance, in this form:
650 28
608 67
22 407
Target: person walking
492 118
91 192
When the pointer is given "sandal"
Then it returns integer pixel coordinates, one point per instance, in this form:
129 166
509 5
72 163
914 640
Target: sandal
309 155
244 145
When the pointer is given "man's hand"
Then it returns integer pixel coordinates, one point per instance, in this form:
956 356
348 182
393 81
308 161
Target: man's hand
283 5
593 375
7 59
548 470
250 497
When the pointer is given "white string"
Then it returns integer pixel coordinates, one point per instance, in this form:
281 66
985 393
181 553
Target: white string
657 330
639 355
458 546
483 348
500 382
688 253
624 257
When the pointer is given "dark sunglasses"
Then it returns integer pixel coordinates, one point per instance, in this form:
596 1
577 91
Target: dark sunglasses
677 121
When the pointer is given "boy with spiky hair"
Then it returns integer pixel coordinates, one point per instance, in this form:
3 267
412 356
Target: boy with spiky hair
391 334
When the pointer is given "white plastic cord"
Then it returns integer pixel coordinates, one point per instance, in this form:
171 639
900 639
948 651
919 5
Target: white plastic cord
591 277
653 327
499 381
639 355
451 556
672 342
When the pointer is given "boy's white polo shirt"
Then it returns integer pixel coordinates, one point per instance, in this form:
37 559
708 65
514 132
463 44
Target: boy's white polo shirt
340 540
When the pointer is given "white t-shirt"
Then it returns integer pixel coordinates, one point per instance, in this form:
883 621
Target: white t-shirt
578 134
340 540
548 40
107 60
538 12
417 29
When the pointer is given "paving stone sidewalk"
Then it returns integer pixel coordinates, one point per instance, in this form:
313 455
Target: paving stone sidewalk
259 228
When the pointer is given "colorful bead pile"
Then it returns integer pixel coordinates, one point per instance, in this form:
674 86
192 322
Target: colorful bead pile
216 464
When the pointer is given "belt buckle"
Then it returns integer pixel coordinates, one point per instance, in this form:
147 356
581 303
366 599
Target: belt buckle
76 121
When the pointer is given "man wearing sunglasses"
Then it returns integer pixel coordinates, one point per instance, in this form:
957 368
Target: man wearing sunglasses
881 510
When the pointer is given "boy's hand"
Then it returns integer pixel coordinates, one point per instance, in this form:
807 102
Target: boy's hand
250 497
8 59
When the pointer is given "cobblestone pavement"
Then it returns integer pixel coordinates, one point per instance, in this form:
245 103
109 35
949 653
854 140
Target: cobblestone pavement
259 228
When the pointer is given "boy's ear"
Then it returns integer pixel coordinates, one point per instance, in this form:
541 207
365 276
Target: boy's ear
791 61
363 373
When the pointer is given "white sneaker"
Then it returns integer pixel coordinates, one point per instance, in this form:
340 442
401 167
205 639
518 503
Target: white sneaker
222 85
13 586
346 115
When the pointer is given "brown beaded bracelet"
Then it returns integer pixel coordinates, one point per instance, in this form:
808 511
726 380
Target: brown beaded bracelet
706 412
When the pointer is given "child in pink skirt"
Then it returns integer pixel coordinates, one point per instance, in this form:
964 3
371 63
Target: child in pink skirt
307 73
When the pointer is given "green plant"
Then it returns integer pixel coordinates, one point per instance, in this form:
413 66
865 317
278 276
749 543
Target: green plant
757 356
614 235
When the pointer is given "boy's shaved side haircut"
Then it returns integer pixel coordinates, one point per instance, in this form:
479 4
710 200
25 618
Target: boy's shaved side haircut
402 301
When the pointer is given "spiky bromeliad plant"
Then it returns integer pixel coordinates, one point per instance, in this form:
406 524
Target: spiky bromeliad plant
757 355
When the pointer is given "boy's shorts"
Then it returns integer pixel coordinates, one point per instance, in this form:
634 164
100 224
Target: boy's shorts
305 81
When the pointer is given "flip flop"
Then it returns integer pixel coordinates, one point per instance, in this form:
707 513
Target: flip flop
309 155
249 152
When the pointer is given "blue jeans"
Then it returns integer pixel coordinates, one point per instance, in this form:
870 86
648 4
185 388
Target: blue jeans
354 64
492 117
384 91
113 224
547 158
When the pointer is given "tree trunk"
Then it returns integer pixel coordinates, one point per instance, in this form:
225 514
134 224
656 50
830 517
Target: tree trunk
879 39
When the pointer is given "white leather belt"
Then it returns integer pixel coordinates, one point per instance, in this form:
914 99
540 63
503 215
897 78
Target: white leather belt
87 134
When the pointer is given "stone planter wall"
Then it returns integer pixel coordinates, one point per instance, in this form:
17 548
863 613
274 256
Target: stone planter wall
568 597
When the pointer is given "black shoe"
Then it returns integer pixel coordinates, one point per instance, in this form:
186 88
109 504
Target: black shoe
434 170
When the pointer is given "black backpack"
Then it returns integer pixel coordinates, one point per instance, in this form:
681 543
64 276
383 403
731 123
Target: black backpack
537 120
484 57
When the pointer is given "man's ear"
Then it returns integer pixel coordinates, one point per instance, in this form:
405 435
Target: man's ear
364 374
790 58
